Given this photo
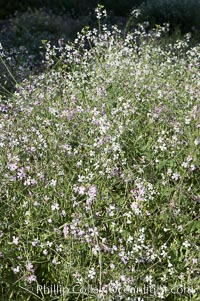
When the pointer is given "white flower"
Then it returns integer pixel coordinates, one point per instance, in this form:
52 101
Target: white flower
95 250
54 261
184 164
55 206
15 240
91 273
175 176
136 13
16 270
135 208
194 260
130 239
53 183
148 279
186 244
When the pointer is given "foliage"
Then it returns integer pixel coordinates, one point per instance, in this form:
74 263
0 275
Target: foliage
183 14
29 28
78 6
119 7
100 172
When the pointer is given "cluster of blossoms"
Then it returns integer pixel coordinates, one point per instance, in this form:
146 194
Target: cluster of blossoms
100 167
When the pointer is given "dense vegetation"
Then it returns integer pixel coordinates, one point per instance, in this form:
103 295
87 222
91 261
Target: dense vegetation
100 169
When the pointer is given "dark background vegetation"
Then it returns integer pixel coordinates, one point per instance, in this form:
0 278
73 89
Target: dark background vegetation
120 7
184 14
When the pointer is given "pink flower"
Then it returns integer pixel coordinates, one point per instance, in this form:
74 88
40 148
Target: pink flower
92 191
16 270
31 278
65 230
82 190
29 267
13 166
175 176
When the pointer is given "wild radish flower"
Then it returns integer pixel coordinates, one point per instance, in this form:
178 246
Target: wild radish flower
55 262
91 273
53 183
30 181
191 291
55 206
136 208
184 164
45 252
13 166
93 232
65 230
136 13
95 250
16 270
130 239
165 229
21 174
196 142
194 260
82 190
35 242
79 163
31 278
100 12
170 264
175 176
92 192
149 279
15 240
63 213
53 111
29 267
49 244
111 210
186 244
33 181
189 158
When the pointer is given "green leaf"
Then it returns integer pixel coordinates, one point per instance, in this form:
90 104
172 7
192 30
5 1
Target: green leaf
192 226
